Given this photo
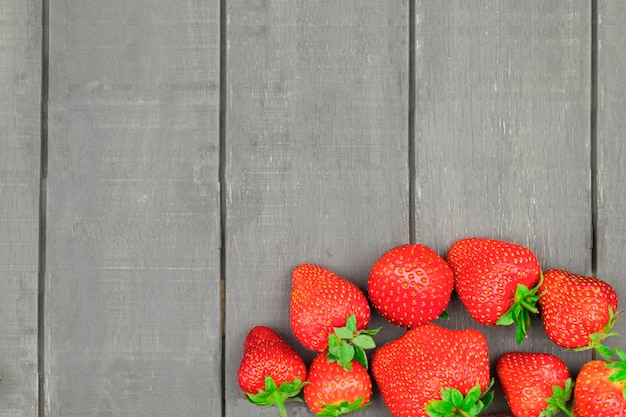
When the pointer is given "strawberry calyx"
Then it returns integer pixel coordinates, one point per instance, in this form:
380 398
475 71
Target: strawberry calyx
619 367
345 407
277 395
347 343
524 303
559 399
597 338
454 403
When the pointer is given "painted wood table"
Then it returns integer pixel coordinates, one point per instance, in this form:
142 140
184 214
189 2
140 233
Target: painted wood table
165 165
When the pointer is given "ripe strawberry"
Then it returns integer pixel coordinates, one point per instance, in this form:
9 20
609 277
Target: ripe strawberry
410 285
496 281
433 371
271 372
332 390
577 312
600 389
330 312
534 384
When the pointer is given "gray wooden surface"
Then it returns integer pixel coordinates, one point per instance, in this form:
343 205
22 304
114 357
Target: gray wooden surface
20 138
132 297
201 143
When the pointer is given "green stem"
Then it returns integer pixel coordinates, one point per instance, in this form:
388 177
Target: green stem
279 403
565 410
281 407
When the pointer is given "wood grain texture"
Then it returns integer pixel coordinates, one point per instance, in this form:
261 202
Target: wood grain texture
133 277
611 153
502 137
316 157
20 139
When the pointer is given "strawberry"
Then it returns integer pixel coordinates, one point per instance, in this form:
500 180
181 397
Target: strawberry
577 311
271 371
496 281
330 312
332 390
534 384
433 371
600 389
410 285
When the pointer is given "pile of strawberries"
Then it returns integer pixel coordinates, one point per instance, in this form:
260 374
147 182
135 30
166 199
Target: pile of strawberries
431 370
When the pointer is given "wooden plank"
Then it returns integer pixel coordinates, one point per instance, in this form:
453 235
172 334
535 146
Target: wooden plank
502 104
20 139
611 153
316 157
133 271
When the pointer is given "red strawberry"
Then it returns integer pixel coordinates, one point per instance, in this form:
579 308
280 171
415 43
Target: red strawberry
496 281
330 312
410 285
332 390
600 389
577 311
271 371
429 370
534 384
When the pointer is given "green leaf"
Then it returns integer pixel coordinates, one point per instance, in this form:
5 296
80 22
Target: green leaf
560 396
344 333
524 304
346 356
345 407
276 395
351 323
361 357
364 341
453 403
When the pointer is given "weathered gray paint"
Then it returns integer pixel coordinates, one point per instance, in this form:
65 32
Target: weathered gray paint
133 277
320 162
20 133
611 152
316 155
502 137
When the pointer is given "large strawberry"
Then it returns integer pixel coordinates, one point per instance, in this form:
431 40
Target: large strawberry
496 281
433 371
410 285
271 371
534 384
330 312
600 389
332 390
577 311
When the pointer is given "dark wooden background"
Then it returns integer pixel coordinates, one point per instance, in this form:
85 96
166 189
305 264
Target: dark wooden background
164 166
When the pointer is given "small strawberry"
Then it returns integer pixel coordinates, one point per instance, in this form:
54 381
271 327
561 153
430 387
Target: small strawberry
534 384
496 281
271 372
600 389
410 285
577 312
433 371
330 312
332 390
